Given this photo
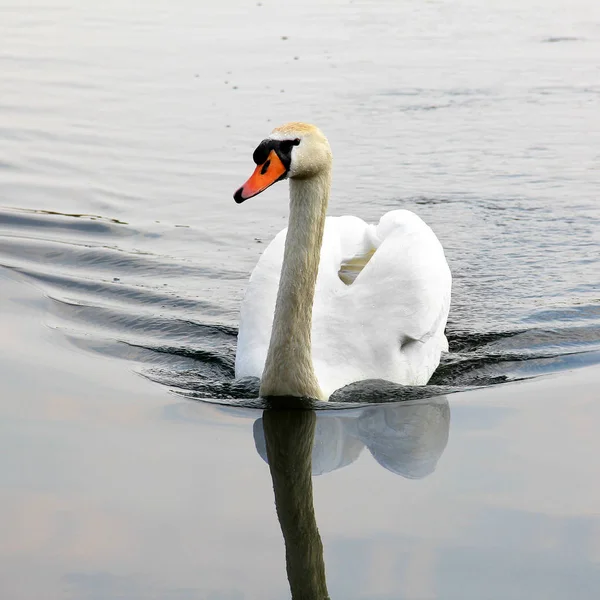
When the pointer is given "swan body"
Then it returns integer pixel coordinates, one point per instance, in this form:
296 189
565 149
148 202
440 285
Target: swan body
334 300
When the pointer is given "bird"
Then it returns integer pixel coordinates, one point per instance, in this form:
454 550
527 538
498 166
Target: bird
335 300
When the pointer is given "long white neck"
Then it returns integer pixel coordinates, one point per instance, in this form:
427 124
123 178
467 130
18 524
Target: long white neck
289 369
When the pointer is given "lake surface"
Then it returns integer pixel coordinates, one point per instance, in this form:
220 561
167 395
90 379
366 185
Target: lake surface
124 131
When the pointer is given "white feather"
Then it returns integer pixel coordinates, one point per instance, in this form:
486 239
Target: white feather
389 323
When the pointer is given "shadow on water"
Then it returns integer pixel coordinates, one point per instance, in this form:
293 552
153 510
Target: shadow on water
406 439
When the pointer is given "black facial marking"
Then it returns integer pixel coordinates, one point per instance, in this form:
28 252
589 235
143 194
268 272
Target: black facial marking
286 145
262 152
265 167
283 149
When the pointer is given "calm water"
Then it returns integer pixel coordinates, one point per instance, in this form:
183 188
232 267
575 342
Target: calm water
125 129
112 488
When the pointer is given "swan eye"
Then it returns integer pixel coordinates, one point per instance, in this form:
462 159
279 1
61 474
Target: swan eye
286 145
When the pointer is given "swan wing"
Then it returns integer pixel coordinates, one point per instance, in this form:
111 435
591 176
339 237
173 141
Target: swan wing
407 277
389 322
380 308
257 310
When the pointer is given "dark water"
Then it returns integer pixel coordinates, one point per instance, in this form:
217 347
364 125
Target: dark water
124 130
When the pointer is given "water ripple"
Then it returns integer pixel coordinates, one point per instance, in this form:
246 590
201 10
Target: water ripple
112 299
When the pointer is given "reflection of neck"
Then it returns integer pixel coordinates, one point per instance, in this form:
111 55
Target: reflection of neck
288 368
289 439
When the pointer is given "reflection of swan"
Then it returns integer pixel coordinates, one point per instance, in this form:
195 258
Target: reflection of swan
406 438
382 294
288 437
334 446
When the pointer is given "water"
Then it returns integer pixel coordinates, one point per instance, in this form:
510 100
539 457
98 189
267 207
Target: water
125 129
111 488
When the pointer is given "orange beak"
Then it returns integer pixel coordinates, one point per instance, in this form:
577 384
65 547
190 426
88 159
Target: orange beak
264 176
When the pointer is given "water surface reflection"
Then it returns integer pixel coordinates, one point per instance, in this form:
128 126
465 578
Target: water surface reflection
405 438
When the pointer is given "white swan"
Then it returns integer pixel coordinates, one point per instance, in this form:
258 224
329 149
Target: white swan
335 300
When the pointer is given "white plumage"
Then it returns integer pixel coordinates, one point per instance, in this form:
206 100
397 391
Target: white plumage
388 324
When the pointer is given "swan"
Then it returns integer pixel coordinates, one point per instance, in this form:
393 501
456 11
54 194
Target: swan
334 300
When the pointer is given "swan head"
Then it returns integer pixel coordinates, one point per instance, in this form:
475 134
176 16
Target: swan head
293 150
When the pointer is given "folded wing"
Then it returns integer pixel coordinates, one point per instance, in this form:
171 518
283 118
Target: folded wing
380 308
